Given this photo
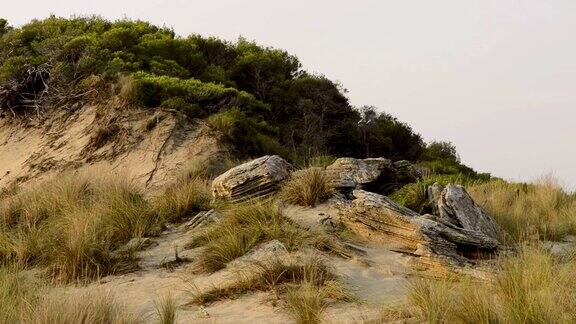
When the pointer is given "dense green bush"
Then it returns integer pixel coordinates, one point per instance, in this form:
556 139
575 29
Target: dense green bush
247 133
277 106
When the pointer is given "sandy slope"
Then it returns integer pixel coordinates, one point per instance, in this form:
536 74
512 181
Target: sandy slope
146 145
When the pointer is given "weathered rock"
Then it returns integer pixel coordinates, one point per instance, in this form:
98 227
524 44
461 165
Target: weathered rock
265 252
427 237
374 174
454 205
203 218
434 193
252 179
350 173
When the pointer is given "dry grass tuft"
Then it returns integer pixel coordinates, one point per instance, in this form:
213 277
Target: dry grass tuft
167 310
247 224
307 187
243 227
272 275
531 287
25 300
306 303
72 224
183 199
528 212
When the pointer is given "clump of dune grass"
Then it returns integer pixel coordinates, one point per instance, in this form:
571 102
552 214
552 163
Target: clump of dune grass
167 310
245 225
191 192
307 187
86 308
270 275
531 287
414 195
183 199
306 303
24 299
542 210
72 224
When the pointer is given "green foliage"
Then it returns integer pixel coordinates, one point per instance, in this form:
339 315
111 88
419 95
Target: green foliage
270 103
413 195
152 90
441 150
383 135
4 27
252 136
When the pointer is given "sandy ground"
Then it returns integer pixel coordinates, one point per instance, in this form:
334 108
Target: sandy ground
377 278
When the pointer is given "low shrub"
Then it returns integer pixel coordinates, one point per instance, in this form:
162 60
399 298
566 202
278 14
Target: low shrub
248 135
187 94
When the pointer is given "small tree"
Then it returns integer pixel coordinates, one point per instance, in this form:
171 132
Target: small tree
441 150
4 27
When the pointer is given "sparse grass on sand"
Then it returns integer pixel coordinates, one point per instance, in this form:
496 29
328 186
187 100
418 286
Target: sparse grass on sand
247 224
25 300
307 187
539 211
530 287
306 285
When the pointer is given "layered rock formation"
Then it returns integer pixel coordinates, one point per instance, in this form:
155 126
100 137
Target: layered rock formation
375 174
431 238
252 179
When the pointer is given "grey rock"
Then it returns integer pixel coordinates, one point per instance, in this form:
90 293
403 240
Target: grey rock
355 173
426 236
375 174
252 179
203 218
265 252
454 205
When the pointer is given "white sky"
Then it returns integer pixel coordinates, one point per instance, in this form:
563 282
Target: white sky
495 77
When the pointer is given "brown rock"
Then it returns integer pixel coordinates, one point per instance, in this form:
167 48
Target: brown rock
430 239
252 179
374 174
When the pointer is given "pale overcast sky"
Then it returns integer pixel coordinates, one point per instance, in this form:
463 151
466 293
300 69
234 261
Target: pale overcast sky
495 77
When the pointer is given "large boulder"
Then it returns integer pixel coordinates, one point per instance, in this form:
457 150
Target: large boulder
454 204
374 174
355 173
432 240
252 179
